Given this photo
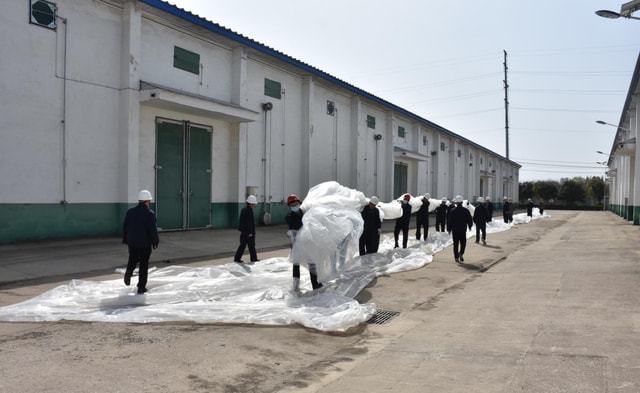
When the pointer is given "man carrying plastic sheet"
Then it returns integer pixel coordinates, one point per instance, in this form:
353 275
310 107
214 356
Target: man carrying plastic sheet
490 209
140 234
247 228
441 215
402 223
480 218
370 238
422 218
294 222
458 220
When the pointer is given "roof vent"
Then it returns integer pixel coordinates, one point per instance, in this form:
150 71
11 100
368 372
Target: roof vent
43 13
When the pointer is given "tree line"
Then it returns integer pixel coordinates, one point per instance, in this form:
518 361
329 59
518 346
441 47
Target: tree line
573 192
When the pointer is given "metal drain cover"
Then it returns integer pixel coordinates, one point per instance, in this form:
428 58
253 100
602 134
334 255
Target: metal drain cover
382 317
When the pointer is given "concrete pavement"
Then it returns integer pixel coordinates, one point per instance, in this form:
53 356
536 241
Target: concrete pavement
557 312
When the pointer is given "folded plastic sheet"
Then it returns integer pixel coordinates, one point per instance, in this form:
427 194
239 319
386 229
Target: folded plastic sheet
258 293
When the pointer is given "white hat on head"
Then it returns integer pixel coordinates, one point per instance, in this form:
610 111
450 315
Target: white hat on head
505 198
488 198
480 200
427 195
374 200
529 200
458 199
252 200
144 195
444 199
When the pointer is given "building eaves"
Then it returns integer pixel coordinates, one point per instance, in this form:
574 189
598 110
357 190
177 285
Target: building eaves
264 49
633 86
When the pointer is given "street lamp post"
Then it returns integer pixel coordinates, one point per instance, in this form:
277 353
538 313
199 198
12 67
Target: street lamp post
612 125
626 10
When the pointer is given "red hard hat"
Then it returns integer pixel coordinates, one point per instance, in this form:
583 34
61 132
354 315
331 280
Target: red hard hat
292 199
407 197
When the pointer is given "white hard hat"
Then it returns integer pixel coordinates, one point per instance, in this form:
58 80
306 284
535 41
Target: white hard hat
427 195
252 200
144 195
374 199
529 200
444 199
480 200
458 199
488 198
505 198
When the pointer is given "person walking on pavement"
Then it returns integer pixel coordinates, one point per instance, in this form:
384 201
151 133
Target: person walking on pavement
480 218
441 215
422 218
370 238
458 219
294 222
505 209
140 234
510 210
529 207
247 228
490 208
402 223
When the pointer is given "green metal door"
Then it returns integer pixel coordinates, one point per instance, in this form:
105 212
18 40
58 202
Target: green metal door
400 176
199 176
170 175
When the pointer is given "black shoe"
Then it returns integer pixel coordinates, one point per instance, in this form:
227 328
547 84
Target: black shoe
484 242
317 286
127 280
141 291
240 261
255 260
461 258
457 261
477 241
396 246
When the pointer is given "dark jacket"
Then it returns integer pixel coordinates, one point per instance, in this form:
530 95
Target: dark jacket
371 218
405 219
139 229
490 208
247 224
294 219
506 208
529 208
423 213
458 219
480 215
441 212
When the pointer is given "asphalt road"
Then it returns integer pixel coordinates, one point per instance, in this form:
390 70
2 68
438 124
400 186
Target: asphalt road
558 311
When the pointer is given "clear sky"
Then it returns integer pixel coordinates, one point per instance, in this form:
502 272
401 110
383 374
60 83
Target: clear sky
443 60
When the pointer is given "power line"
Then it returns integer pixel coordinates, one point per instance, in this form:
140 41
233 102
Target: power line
441 83
563 172
564 110
564 162
470 113
457 97
562 165
572 92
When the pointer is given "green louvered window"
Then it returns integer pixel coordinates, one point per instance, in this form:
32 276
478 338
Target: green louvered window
272 88
186 60
401 132
371 121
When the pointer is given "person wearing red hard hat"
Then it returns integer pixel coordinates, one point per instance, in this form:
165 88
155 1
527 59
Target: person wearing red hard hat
294 222
402 223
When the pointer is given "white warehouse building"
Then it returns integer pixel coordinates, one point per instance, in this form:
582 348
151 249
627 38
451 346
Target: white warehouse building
623 172
103 98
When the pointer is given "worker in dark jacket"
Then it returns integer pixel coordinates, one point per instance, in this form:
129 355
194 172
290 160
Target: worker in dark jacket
370 238
529 207
511 208
458 220
480 218
490 208
506 206
294 222
422 218
541 208
140 234
402 223
441 215
247 228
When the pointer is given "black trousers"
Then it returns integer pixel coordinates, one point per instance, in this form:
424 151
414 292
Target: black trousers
440 224
481 229
505 217
459 244
369 242
246 240
139 256
420 226
405 234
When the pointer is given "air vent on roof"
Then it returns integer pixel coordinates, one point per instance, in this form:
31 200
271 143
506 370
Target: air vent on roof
43 13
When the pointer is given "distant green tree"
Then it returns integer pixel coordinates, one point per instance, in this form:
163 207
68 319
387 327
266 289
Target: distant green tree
572 191
526 190
546 190
595 188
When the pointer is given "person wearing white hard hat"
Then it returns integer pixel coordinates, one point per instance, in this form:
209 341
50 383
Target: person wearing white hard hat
422 218
441 215
458 219
480 218
247 228
370 238
140 234
530 206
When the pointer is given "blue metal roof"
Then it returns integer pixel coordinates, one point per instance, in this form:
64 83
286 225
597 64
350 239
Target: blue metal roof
264 49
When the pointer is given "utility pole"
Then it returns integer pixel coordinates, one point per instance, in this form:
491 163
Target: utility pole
506 104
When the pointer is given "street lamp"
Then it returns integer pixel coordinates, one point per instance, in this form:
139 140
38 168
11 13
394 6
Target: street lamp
612 125
626 10
599 152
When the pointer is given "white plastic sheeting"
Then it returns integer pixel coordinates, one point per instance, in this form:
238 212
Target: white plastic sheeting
257 293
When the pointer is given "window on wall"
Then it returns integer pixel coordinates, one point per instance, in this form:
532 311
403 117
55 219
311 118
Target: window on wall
471 156
481 161
186 60
331 108
401 132
459 153
371 121
424 140
442 146
272 88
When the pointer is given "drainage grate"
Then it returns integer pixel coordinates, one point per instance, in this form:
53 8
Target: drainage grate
382 317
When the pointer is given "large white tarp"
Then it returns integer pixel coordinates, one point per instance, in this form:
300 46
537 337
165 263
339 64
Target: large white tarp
257 293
